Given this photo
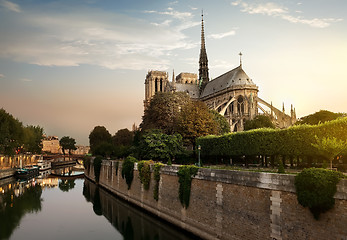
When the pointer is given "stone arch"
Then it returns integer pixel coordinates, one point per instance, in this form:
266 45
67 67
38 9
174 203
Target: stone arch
241 104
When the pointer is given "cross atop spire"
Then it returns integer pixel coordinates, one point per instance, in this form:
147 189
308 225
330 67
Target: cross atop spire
240 59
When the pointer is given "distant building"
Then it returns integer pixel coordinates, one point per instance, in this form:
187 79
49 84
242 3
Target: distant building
50 144
233 94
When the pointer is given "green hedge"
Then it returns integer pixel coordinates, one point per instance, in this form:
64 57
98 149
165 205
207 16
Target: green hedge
293 141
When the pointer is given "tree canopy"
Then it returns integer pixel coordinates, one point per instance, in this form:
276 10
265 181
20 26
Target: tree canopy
196 120
123 137
98 136
67 143
222 124
163 111
320 117
159 146
33 136
260 121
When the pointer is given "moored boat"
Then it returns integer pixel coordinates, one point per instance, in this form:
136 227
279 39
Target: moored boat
27 172
44 164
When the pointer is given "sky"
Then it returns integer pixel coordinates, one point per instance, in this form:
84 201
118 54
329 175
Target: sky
69 66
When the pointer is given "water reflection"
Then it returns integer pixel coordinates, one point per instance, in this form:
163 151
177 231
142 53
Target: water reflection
16 200
129 221
66 184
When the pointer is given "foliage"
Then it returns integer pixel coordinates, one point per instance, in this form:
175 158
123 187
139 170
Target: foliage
144 168
67 143
104 149
33 136
260 121
223 126
281 167
293 141
128 170
11 133
123 137
185 174
196 120
98 136
117 166
160 146
163 111
156 176
97 168
320 117
315 188
86 162
330 147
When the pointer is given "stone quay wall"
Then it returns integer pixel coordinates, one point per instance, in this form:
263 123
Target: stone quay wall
228 204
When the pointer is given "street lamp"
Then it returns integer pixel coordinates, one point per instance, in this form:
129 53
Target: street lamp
199 148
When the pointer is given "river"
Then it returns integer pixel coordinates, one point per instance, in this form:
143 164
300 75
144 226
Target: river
62 208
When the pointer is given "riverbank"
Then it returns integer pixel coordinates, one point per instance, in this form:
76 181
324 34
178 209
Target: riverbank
228 204
6 173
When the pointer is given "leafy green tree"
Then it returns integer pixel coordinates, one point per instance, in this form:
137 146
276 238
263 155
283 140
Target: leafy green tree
163 110
11 133
33 136
330 148
67 143
222 124
156 145
320 117
260 121
104 149
98 136
123 137
195 120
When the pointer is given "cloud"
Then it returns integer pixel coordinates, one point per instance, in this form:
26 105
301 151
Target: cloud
93 37
173 13
26 80
2 75
274 10
10 6
222 35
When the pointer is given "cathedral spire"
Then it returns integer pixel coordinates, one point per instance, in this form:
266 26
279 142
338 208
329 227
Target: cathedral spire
203 62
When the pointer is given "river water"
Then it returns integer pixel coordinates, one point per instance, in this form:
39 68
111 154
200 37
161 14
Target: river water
63 208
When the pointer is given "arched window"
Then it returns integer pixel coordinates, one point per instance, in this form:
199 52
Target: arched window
240 105
161 85
156 84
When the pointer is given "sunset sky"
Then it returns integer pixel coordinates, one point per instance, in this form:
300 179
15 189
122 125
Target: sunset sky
71 65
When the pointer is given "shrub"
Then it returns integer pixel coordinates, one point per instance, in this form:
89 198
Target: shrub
185 174
156 176
144 168
280 167
97 168
128 170
315 188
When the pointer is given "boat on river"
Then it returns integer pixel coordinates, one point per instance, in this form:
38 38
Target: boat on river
27 172
44 164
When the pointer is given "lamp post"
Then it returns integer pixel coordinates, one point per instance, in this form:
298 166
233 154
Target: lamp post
199 148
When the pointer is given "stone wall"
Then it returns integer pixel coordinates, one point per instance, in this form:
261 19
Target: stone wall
232 204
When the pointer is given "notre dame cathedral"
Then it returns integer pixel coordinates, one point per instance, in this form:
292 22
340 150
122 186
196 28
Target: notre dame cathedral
233 94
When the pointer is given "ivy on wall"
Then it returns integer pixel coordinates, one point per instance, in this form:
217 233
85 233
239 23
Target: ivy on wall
117 167
156 176
144 168
128 170
185 174
315 188
97 168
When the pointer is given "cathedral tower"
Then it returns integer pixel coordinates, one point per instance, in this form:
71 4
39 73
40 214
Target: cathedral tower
203 62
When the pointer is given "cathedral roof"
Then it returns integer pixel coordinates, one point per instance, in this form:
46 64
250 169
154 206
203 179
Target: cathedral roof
191 89
235 78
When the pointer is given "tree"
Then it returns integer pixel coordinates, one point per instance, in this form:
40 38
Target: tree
195 120
260 121
11 133
67 143
330 148
320 117
163 111
156 145
33 136
123 137
98 136
222 124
